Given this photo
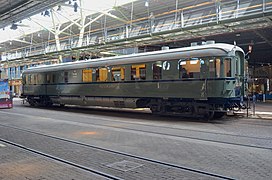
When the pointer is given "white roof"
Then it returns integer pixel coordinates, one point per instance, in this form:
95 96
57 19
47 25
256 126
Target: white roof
210 50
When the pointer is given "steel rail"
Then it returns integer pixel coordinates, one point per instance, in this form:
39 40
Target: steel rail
186 137
189 169
61 160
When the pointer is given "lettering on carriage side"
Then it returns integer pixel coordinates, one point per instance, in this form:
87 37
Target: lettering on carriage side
166 65
107 86
74 73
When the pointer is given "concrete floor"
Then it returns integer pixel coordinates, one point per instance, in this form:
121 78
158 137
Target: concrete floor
240 148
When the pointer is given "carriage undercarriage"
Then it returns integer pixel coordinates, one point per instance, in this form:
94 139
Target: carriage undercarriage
158 106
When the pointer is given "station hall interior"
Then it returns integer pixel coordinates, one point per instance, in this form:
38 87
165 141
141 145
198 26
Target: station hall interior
35 33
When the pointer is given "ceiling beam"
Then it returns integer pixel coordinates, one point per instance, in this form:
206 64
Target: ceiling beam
263 37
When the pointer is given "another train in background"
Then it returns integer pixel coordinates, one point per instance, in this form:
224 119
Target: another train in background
206 80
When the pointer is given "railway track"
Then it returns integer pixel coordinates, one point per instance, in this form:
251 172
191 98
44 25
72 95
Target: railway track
143 115
113 152
173 135
190 137
84 168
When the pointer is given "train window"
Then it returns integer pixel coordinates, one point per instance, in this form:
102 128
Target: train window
183 73
47 78
227 69
118 73
102 74
28 79
97 75
87 75
157 70
133 73
39 79
194 68
189 68
66 77
214 67
24 79
138 72
33 79
142 73
217 67
53 78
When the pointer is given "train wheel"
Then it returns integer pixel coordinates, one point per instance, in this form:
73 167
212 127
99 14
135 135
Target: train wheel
49 104
31 102
156 110
209 115
218 115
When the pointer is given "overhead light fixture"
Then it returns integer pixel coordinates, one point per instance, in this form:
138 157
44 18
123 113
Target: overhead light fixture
46 13
59 8
75 7
146 3
14 26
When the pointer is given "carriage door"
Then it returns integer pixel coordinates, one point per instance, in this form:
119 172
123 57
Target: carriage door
204 75
239 76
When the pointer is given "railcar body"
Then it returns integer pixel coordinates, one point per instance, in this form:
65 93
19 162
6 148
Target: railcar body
200 80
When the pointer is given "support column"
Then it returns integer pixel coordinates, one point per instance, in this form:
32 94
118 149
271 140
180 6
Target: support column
182 19
57 32
237 8
82 27
264 5
218 11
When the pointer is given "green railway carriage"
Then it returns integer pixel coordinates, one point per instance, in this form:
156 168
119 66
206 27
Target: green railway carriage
200 80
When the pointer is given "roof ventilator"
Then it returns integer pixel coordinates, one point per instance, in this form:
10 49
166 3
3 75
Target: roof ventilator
165 48
210 42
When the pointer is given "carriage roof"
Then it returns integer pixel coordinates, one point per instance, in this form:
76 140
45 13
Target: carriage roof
210 50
